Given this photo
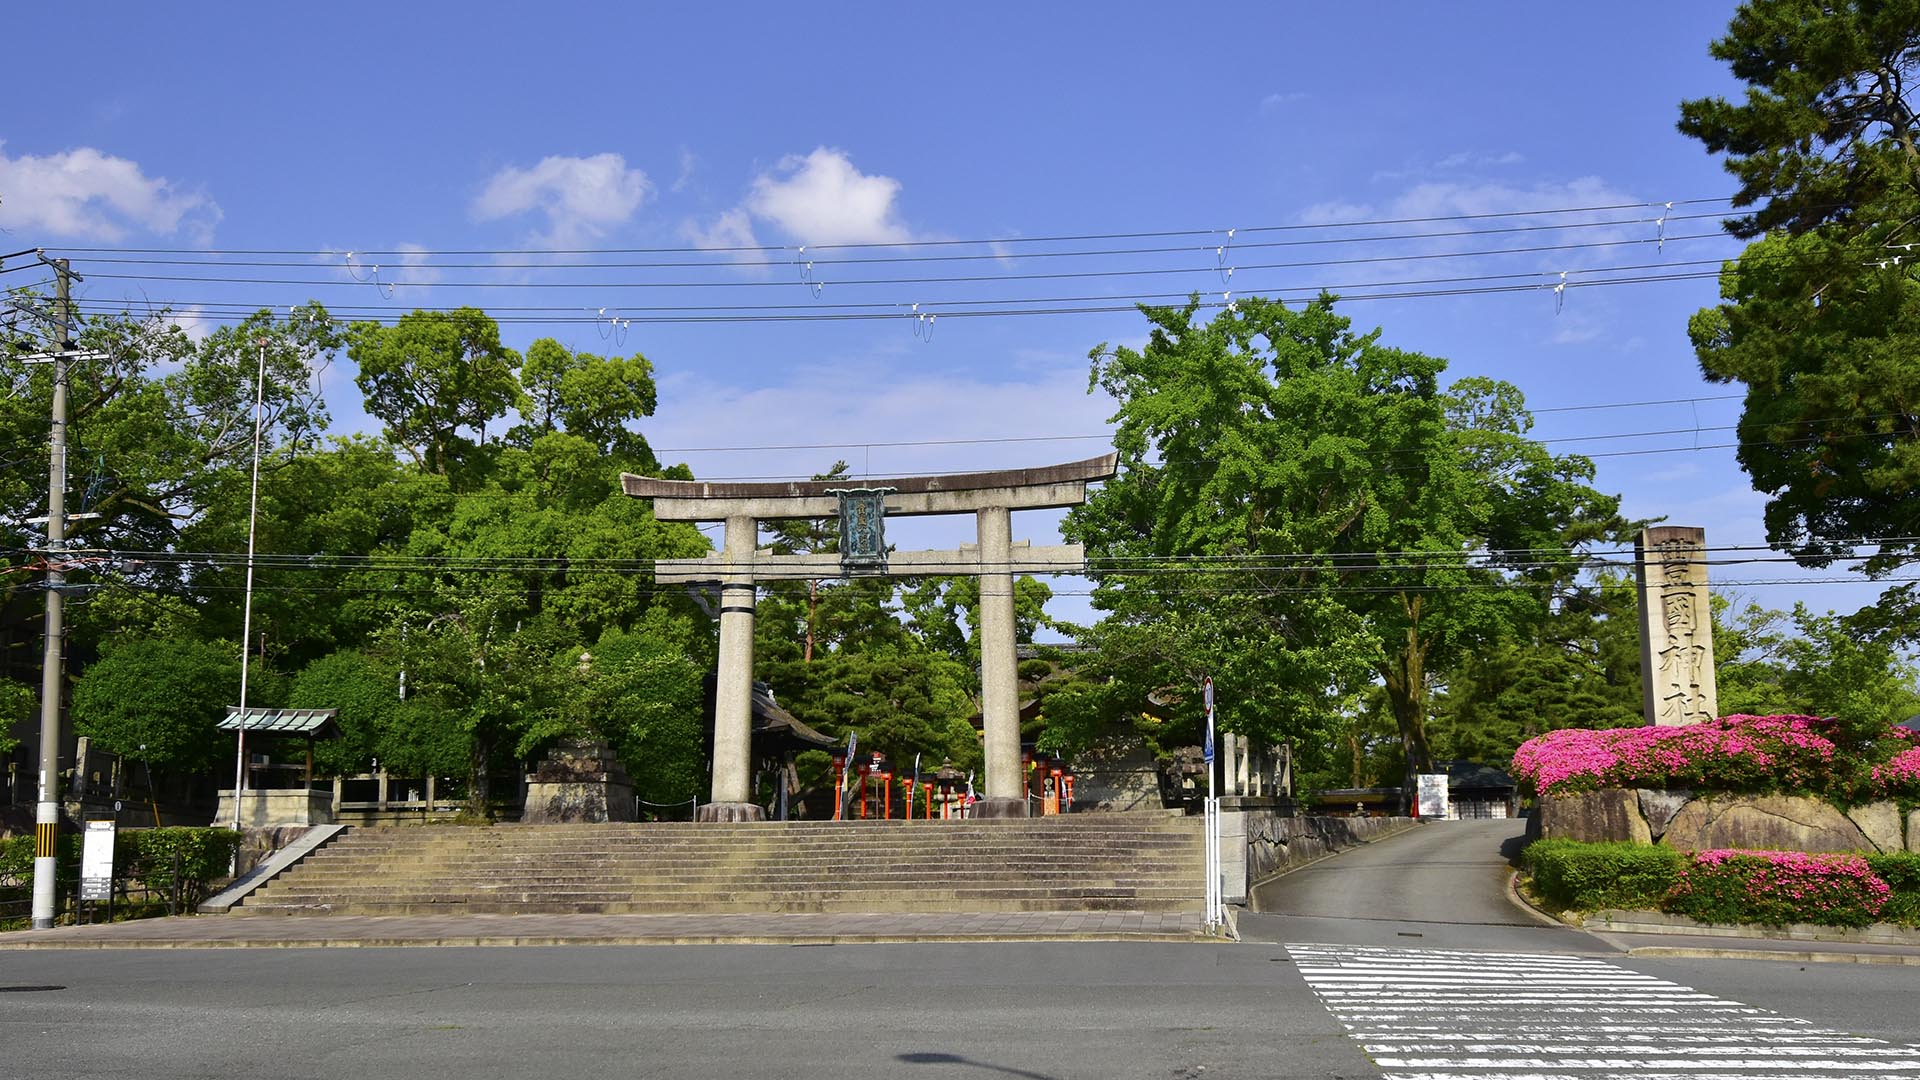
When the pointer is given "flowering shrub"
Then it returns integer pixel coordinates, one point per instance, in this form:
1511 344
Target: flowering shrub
1779 887
1775 887
1899 776
1733 753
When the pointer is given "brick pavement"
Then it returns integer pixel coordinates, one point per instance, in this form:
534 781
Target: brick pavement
337 931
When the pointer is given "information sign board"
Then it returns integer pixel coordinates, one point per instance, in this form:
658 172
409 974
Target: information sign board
96 861
1433 796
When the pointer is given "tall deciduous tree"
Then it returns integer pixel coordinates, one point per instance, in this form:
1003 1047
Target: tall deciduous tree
1302 507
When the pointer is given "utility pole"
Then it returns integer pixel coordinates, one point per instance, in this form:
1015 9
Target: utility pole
46 815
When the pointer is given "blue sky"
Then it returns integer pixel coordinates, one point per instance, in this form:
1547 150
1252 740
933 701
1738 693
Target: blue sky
424 128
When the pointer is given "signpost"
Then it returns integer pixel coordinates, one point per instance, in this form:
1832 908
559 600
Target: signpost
96 864
1433 796
1210 818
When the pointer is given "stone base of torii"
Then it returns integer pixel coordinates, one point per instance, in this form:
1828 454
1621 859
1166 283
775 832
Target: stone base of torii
862 507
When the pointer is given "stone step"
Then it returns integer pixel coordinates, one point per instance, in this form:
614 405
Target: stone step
1139 861
753 842
400 860
756 907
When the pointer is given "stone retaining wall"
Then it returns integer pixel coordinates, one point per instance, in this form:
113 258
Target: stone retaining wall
1681 820
1274 845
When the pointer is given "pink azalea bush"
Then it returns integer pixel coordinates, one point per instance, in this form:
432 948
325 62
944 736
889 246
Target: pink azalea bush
1733 753
1900 775
1778 888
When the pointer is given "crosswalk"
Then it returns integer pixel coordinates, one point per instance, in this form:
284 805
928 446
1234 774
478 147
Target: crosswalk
1429 1014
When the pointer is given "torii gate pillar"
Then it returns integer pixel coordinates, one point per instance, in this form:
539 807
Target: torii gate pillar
995 560
999 668
733 689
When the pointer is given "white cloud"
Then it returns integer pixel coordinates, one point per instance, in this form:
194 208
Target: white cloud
1276 101
823 199
733 229
1466 159
820 198
85 193
582 197
689 162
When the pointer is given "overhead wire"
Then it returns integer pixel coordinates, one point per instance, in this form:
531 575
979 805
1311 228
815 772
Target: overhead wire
737 264
922 243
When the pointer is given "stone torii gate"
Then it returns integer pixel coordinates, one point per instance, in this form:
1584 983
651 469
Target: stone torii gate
862 510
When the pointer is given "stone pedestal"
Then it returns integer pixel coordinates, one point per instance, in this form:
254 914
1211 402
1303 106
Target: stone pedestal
581 781
730 811
271 808
999 808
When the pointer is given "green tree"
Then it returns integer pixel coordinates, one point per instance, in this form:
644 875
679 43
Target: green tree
1825 134
375 722
18 704
1302 507
436 380
163 695
1820 664
643 691
1580 669
158 424
596 399
1820 316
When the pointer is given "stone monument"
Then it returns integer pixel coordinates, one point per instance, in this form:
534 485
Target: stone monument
1676 628
582 780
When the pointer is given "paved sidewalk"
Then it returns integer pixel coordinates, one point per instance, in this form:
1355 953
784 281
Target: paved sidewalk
351 931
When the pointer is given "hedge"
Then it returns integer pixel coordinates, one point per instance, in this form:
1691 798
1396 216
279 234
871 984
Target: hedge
177 868
1770 887
1589 877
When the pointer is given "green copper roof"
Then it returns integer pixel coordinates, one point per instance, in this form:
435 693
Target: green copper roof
285 721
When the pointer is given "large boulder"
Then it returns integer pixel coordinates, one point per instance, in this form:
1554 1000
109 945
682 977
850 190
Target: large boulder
1659 807
1783 822
1608 814
1880 822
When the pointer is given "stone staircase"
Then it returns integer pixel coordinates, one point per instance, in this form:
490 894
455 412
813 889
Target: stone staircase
1135 861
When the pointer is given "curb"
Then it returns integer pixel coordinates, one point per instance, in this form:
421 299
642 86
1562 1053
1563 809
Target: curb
1518 900
1617 921
1677 952
509 941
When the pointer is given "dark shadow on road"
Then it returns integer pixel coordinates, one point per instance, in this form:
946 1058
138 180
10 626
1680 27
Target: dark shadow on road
1511 847
924 1057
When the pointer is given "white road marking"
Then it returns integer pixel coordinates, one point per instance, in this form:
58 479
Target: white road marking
1434 1014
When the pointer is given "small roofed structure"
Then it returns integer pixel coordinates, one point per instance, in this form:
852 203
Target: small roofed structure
778 732
310 724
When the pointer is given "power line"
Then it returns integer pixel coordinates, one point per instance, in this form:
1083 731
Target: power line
1219 231
957 279
896 311
1544 279
735 264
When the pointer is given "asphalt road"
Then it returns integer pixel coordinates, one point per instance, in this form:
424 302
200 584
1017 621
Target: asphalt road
900 1012
1443 886
1409 914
